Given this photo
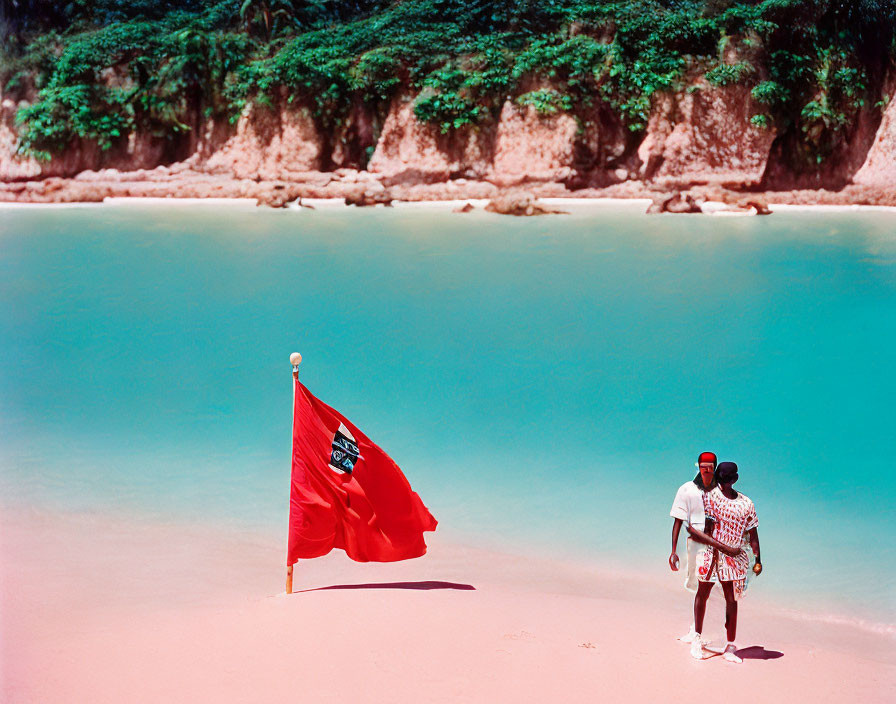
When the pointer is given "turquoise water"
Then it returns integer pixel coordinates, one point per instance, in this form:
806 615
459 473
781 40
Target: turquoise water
545 383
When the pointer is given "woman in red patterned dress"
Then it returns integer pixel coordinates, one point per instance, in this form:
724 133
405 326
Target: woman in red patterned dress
729 515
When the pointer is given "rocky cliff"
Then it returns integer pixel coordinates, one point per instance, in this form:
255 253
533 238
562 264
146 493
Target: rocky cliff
701 137
879 167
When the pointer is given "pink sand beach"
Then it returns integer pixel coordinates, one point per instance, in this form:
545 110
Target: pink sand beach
108 610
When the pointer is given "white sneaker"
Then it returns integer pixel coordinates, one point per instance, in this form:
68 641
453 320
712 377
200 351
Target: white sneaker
689 636
713 647
730 654
697 647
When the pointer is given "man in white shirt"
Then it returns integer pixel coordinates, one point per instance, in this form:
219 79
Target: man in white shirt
688 507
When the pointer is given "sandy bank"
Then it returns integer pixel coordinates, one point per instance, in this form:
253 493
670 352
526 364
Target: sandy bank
174 185
107 611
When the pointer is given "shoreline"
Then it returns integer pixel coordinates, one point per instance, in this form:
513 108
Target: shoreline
640 205
114 608
180 182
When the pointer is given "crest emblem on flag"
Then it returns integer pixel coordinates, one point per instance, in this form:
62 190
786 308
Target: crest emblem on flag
344 452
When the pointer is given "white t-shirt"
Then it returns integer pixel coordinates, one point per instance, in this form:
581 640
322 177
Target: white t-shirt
688 505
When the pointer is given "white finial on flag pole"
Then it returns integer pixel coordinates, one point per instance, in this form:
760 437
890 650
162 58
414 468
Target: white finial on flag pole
295 359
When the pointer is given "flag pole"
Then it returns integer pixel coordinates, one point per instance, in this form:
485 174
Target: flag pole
295 359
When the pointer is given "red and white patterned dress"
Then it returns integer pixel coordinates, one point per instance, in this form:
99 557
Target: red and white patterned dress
732 518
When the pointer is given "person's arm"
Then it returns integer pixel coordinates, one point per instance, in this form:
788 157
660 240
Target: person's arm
705 535
679 512
754 544
702 537
673 557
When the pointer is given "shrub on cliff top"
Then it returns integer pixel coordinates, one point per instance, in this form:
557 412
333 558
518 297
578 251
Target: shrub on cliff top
86 112
157 76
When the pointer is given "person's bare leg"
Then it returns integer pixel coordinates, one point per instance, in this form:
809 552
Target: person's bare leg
691 583
730 622
730 611
703 590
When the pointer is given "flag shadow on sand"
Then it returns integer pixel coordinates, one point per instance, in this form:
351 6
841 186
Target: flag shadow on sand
753 652
423 586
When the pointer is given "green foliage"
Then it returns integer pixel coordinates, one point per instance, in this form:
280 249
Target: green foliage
840 91
575 66
761 120
630 86
546 102
470 90
149 75
770 93
103 67
83 111
729 74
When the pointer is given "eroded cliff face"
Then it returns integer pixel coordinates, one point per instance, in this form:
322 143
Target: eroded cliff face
704 136
409 151
267 143
137 152
700 137
790 167
532 147
521 147
879 168
12 166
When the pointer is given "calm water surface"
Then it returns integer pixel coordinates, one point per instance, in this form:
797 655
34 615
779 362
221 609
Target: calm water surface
545 383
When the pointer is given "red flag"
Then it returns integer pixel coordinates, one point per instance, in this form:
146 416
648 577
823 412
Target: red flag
347 493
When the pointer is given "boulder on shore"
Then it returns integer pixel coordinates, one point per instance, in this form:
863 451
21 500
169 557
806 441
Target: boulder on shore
519 204
675 203
363 197
760 205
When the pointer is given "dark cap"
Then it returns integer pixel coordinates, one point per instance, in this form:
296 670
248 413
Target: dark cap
726 472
